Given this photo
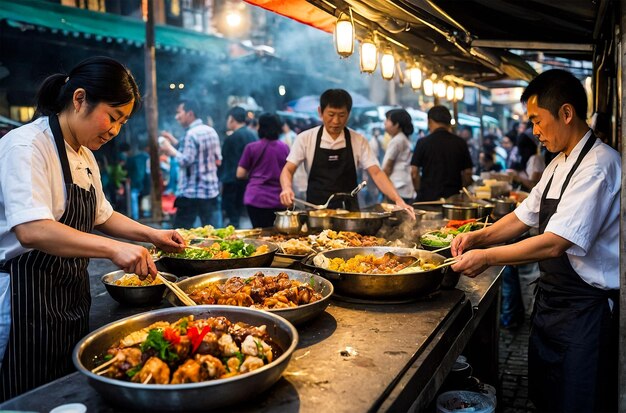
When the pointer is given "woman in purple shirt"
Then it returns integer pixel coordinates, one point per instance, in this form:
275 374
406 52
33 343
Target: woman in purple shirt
262 162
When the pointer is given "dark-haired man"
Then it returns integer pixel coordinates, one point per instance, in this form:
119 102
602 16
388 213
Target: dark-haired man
198 157
233 188
331 154
441 163
572 355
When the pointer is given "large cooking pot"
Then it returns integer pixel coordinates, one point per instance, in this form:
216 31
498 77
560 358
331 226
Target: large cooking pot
189 267
202 396
467 210
320 219
364 223
289 222
382 286
503 206
296 315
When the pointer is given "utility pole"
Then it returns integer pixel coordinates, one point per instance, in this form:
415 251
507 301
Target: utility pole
152 115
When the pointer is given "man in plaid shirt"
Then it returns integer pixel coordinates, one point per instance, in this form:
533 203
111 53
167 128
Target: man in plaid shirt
198 156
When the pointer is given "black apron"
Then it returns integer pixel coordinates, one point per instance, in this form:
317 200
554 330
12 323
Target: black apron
572 354
50 298
333 171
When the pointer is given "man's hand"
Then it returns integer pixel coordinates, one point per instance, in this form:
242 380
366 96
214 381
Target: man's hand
407 208
463 242
286 197
168 240
472 263
134 259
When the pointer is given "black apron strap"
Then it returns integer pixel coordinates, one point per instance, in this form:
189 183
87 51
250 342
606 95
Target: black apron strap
60 144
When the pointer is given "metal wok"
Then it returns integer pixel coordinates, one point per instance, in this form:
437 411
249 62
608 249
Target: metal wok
296 315
382 286
200 396
188 267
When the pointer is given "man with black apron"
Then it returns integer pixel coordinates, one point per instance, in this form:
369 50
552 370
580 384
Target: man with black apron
331 155
59 287
573 354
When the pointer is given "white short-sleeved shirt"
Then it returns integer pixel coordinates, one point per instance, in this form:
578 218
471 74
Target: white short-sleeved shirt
399 151
588 213
303 149
31 181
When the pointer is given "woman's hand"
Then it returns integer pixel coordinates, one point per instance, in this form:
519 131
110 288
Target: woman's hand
168 240
134 259
471 263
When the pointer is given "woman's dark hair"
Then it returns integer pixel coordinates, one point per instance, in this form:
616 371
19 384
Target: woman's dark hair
336 98
554 88
104 79
401 118
269 126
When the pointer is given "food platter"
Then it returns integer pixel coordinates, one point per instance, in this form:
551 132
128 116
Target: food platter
135 296
296 315
200 396
396 286
190 267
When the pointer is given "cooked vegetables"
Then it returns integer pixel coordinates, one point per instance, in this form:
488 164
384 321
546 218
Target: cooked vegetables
370 264
218 250
207 231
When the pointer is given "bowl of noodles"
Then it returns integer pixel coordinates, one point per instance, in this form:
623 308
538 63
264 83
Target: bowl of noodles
130 290
380 273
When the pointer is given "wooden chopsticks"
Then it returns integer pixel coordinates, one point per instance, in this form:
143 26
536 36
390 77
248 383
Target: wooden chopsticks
182 296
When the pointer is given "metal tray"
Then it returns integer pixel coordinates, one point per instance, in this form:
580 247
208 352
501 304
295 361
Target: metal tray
296 315
187 267
200 396
381 286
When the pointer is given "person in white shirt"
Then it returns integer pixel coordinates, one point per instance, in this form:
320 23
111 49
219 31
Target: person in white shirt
397 160
331 154
50 201
572 355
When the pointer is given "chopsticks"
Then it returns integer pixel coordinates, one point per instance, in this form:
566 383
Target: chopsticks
182 296
441 249
446 263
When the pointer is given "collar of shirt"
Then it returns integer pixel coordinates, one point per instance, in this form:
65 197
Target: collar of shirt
577 149
401 134
329 143
195 123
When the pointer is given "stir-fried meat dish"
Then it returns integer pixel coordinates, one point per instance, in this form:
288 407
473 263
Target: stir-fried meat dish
258 291
326 240
189 351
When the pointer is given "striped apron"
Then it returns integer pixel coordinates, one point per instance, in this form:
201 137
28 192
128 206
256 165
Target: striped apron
50 298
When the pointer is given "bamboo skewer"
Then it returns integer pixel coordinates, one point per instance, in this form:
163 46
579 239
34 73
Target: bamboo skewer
147 379
182 296
103 365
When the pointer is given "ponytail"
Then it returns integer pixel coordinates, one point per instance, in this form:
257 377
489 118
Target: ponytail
49 96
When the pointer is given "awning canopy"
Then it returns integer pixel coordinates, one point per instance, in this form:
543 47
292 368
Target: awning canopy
106 26
468 38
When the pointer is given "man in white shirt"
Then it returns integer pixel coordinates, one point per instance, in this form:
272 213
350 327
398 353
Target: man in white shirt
331 155
572 356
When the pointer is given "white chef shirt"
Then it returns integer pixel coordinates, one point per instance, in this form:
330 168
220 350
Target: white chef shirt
31 181
303 149
588 213
399 151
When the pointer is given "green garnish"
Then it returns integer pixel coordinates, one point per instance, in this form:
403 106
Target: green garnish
157 342
134 370
312 282
107 357
259 349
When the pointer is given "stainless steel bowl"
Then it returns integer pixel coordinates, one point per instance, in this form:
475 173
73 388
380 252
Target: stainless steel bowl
383 286
187 267
321 218
296 315
467 210
503 206
364 223
201 396
135 296
289 222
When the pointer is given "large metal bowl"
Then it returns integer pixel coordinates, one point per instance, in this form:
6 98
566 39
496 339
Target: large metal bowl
135 296
364 223
321 218
382 286
201 396
296 315
186 267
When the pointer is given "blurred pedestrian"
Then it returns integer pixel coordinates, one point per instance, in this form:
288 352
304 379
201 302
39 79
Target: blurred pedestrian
441 163
261 163
198 156
397 159
233 188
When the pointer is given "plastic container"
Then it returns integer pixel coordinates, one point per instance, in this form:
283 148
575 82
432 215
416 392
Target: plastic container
460 401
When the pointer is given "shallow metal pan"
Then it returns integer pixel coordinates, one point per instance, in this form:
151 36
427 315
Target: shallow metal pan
201 396
187 267
381 286
296 315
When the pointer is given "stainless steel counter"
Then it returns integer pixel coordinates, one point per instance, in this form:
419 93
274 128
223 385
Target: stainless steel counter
354 358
